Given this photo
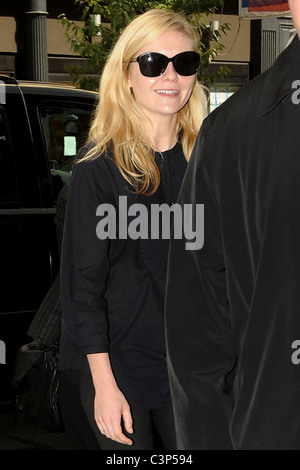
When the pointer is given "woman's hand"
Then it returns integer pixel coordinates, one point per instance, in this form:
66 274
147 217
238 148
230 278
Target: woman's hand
111 410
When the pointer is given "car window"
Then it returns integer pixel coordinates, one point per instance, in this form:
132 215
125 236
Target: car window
65 127
8 177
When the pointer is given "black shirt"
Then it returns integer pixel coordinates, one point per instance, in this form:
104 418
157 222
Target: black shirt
113 289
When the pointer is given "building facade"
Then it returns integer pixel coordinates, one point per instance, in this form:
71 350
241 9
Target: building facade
33 45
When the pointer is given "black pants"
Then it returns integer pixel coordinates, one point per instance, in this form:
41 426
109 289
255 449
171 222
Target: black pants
153 429
77 427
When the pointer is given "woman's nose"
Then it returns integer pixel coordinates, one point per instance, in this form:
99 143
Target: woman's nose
170 72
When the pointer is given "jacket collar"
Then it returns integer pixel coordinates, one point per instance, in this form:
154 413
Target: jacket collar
279 78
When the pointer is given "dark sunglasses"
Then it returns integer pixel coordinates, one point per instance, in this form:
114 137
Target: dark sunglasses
153 64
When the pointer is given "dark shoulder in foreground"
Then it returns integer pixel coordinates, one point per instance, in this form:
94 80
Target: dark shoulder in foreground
262 93
244 100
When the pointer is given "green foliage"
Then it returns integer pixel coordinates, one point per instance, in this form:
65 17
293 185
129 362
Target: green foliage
115 15
209 46
190 7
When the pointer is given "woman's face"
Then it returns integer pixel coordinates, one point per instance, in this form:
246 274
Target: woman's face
295 10
165 94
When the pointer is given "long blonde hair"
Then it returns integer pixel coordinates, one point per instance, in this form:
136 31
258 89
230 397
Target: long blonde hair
119 124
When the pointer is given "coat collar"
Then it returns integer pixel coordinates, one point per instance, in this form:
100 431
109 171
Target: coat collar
279 78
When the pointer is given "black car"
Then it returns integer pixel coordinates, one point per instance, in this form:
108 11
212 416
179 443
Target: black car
41 128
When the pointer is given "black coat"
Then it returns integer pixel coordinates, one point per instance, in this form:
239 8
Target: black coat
233 307
112 288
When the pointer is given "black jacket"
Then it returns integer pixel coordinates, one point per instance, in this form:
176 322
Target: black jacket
233 307
112 289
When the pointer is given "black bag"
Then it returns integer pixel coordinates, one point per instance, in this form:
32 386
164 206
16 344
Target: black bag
35 385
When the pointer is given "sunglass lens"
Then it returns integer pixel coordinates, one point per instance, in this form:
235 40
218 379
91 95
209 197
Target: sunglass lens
187 63
152 64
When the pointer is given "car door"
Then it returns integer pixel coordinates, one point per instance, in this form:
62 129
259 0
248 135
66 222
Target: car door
31 177
25 263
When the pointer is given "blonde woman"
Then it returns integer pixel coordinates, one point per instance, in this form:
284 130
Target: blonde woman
114 258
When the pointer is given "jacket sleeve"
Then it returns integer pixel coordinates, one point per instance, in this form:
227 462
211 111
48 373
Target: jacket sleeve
84 266
200 349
